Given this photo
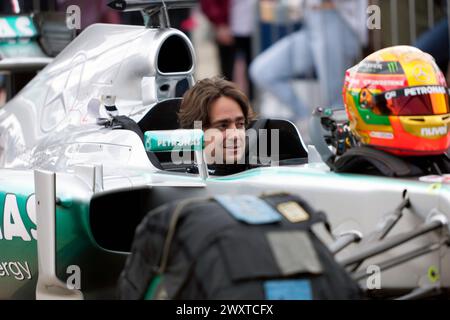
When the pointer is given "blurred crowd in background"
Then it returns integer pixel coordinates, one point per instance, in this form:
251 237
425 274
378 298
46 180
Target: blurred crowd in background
289 56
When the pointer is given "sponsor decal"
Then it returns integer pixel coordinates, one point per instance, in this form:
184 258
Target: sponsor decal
15 269
174 140
17 27
389 95
174 143
381 135
420 74
384 83
434 131
370 66
12 225
392 67
362 81
416 91
375 67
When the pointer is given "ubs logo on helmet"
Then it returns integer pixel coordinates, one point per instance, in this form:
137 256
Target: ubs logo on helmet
434 131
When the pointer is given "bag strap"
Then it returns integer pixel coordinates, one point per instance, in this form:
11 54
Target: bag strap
171 232
161 268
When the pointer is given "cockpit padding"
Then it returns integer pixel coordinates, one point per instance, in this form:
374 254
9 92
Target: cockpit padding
163 116
290 144
126 123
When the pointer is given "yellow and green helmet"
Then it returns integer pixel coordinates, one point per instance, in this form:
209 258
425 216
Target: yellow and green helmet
397 100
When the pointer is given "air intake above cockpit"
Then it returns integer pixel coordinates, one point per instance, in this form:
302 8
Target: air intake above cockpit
174 56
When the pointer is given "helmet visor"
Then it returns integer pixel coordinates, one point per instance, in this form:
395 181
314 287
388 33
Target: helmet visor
413 101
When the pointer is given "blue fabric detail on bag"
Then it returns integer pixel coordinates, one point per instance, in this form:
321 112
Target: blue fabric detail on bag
288 290
249 209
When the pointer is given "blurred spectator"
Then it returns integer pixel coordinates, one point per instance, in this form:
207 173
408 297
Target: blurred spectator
330 41
277 18
242 23
234 22
218 13
182 19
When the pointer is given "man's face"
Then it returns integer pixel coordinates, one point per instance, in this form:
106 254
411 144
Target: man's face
225 138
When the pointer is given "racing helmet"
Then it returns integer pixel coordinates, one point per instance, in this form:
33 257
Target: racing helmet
397 100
